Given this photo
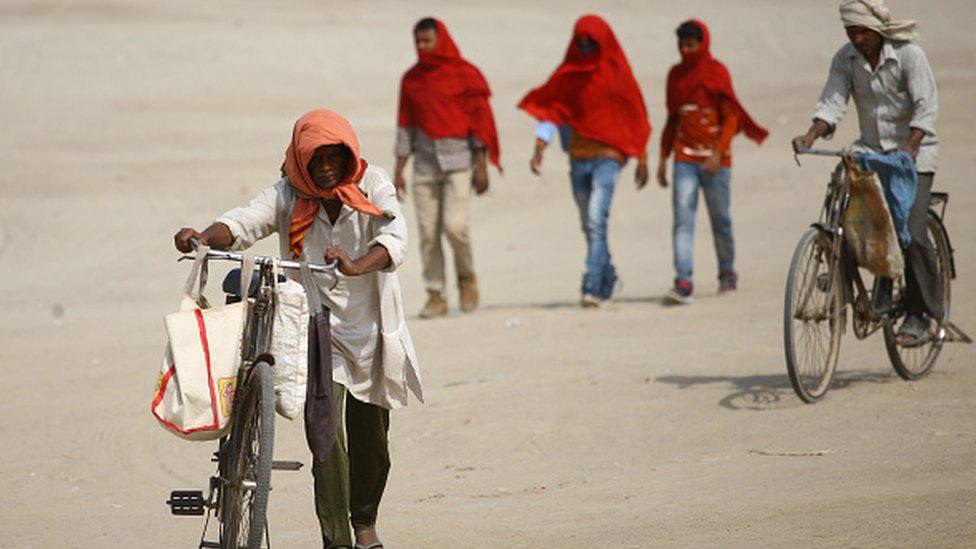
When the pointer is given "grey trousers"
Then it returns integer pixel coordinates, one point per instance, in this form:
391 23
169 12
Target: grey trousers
923 284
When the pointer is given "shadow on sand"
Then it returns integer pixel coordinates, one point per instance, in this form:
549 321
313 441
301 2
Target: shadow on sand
769 392
658 300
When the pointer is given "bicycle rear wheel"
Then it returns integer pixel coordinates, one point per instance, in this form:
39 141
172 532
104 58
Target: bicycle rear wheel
911 363
244 501
812 316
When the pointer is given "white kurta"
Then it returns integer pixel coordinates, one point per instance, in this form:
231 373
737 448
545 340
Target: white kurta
372 353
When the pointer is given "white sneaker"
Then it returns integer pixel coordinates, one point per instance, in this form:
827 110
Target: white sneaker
589 301
674 298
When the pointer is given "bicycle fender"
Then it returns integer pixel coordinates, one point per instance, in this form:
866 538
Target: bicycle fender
952 251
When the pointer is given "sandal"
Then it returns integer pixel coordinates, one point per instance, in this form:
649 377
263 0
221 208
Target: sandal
372 545
913 331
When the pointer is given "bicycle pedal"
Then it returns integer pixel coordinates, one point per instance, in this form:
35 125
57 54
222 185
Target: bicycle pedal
186 502
286 465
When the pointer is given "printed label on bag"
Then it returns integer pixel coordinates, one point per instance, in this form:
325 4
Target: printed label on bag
226 387
159 383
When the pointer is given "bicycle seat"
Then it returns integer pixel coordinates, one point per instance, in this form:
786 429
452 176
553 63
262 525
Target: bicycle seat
232 285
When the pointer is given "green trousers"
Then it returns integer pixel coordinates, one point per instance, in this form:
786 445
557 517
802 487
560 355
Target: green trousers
350 484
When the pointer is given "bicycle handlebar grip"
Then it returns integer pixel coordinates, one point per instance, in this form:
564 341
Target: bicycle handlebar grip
194 243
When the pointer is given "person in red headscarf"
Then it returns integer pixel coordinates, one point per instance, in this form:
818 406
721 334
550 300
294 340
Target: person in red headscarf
595 104
332 205
703 117
445 122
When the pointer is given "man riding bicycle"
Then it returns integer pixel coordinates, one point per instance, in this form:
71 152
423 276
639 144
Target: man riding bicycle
895 94
332 205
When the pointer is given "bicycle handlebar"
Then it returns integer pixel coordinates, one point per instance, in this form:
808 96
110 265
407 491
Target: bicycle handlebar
261 259
820 152
797 151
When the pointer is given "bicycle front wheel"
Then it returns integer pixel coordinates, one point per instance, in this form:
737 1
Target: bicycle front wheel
912 363
812 317
250 454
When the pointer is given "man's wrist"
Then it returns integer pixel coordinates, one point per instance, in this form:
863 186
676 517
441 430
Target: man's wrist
819 128
916 137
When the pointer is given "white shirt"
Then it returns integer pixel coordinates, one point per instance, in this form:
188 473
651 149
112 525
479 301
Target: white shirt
898 95
372 353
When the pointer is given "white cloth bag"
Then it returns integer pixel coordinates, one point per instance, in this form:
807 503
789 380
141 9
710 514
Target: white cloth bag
289 347
194 393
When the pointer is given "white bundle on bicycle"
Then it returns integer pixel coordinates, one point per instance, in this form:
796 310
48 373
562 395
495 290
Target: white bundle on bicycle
289 347
195 387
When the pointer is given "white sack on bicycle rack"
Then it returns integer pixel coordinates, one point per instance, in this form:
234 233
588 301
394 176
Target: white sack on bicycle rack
868 227
289 347
195 387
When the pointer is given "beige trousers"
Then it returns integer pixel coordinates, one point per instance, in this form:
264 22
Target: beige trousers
441 201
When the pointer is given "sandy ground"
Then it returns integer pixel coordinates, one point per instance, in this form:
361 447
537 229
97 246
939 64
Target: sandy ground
633 426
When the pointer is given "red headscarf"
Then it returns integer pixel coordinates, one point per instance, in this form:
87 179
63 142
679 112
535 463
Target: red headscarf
699 71
313 130
446 96
596 93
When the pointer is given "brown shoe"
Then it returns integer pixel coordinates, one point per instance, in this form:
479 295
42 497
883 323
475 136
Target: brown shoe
435 306
469 293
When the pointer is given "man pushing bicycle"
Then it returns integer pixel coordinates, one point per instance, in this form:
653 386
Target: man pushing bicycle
890 79
332 205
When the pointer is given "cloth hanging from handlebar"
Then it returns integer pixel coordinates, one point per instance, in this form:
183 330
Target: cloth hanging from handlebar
321 417
900 183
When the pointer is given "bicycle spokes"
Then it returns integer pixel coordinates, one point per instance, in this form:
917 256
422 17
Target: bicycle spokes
813 315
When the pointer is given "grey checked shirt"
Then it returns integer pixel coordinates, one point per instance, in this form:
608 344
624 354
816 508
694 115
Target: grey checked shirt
435 156
899 95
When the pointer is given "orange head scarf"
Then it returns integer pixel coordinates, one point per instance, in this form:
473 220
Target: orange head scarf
313 130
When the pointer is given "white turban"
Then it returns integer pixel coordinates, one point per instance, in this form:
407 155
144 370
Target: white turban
874 15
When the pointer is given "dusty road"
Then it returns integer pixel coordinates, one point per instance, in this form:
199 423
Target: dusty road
633 426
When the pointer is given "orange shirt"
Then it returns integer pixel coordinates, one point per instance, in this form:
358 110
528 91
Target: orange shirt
584 148
698 129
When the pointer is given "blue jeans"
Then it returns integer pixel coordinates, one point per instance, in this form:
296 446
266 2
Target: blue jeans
688 178
593 183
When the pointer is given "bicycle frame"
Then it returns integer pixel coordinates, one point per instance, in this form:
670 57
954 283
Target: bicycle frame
256 342
258 325
867 319
824 264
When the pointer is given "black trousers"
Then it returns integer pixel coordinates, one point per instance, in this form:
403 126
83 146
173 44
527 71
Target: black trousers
923 283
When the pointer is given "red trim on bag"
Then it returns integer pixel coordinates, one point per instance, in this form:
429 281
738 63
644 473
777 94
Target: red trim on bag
159 397
162 391
202 328
206 355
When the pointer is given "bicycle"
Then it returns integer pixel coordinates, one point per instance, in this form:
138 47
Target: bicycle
824 279
238 492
